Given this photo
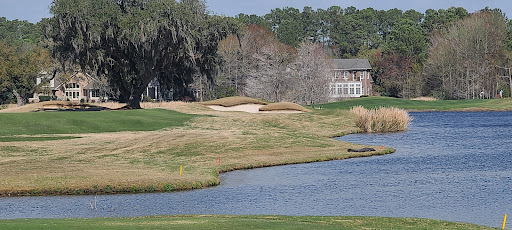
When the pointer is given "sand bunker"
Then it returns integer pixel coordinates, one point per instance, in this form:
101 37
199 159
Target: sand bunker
249 108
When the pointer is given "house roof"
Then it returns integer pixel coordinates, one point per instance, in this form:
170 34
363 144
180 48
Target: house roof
90 86
352 64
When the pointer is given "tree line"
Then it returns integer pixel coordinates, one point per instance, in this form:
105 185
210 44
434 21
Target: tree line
445 53
283 55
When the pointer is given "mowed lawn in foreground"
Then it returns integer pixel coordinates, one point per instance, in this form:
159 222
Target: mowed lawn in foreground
37 123
237 222
440 105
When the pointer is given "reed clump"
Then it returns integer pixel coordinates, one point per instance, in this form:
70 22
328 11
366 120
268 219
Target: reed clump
381 120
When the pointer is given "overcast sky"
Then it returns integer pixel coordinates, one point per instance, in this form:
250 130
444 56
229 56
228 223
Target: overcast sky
34 10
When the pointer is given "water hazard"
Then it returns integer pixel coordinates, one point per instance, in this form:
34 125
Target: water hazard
452 166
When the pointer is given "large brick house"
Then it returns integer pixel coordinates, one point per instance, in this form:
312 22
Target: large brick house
350 78
78 87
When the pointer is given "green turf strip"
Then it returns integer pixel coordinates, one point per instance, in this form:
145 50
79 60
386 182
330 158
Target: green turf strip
38 123
236 222
441 105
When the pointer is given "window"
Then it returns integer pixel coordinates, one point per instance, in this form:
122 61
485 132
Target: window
352 89
335 74
358 89
77 94
339 88
72 86
95 93
74 94
345 89
361 75
345 75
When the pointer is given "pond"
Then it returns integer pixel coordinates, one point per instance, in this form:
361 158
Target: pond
454 166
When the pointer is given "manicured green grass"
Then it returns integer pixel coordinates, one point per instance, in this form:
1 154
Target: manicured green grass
236 222
440 105
24 138
89 122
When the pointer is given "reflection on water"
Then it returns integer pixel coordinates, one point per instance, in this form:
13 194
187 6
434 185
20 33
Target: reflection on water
452 166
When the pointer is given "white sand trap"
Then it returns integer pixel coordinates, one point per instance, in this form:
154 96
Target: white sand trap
248 108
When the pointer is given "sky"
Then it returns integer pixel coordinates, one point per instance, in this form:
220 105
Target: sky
34 10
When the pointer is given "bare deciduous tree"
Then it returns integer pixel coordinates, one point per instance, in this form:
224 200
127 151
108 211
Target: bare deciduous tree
269 77
310 84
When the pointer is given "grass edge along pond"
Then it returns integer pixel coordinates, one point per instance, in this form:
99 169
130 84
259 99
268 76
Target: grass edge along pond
237 222
418 105
149 161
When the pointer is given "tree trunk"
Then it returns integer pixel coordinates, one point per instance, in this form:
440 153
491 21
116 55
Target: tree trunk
19 99
134 102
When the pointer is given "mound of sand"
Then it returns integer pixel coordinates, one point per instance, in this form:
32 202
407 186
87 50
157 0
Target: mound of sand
248 108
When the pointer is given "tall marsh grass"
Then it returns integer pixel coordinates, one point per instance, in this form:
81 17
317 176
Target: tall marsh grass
381 120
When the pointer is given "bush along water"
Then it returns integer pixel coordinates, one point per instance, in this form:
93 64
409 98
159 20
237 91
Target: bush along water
381 120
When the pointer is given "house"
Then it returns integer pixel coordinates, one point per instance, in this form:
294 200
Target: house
350 78
78 87
157 92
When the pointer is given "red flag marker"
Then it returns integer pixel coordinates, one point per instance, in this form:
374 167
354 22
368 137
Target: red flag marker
219 160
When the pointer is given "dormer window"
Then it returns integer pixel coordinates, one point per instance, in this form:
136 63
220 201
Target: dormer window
345 75
72 86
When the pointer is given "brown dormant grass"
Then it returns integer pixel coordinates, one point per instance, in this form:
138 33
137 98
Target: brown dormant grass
162 104
150 161
381 119
284 106
8 106
424 99
234 101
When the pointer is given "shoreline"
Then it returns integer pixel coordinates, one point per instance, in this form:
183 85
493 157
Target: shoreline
242 140
273 138
191 185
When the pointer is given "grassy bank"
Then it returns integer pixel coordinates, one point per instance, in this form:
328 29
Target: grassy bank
440 105
105 161
237 222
